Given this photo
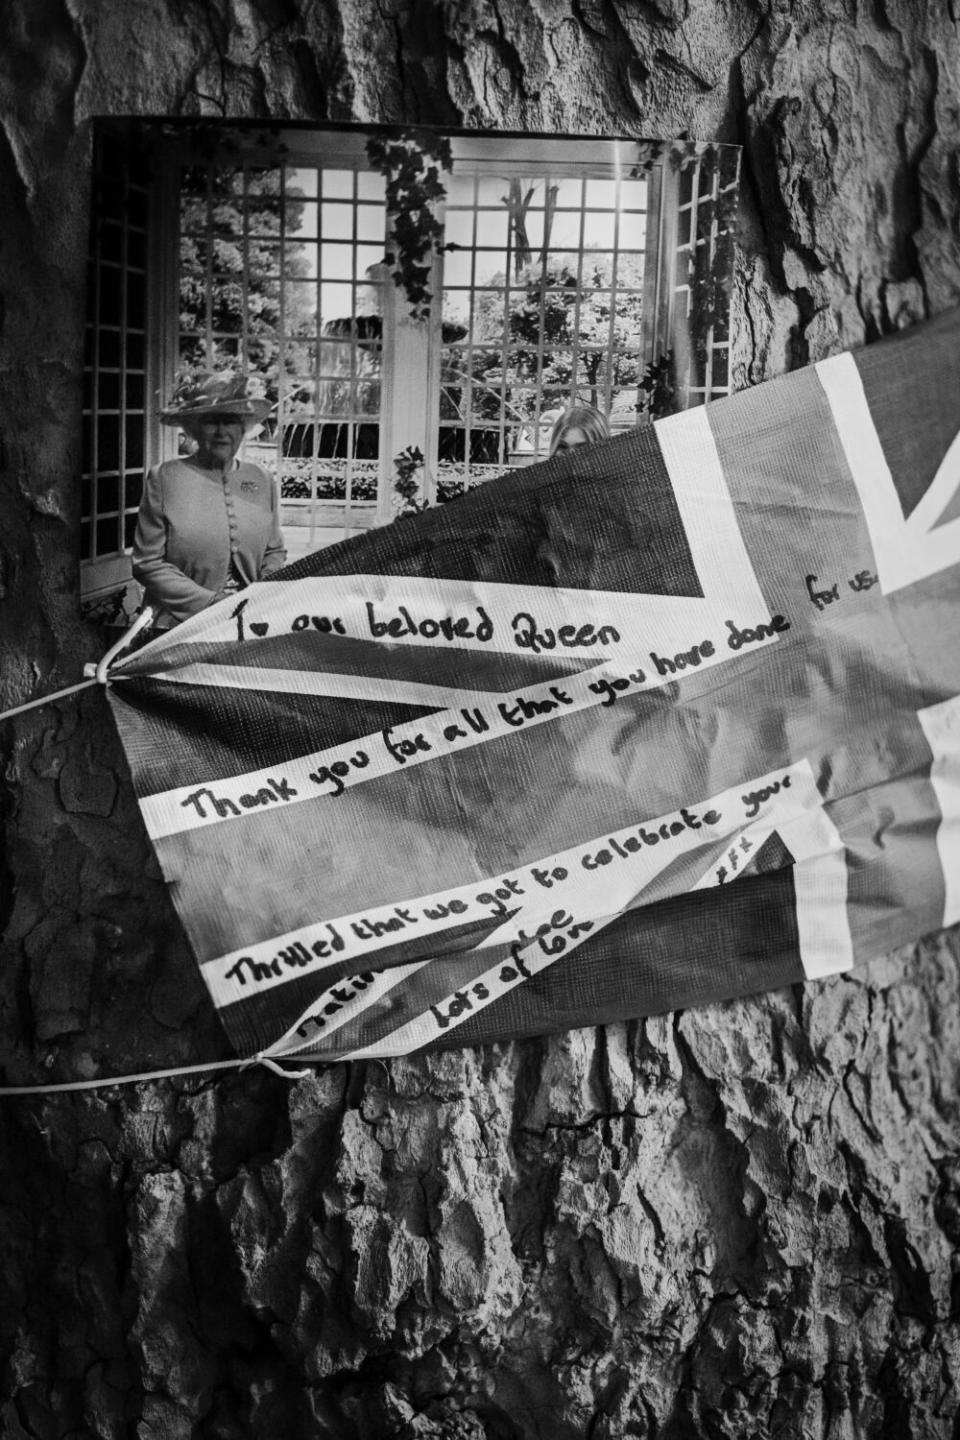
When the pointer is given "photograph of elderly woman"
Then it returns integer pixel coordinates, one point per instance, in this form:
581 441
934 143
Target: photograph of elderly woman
296 333
208 522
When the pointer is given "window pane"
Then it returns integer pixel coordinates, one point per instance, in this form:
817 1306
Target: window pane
337 184
263 258
110 348
492 228
108 493
336 305
460 189
136 301
111 297
368 396
225 353
492 267
226 301
137 249
191 352
299 397
458 228
301 182
336 222
569 194
458 268
262 348
370 223
300 259
336 261
108 390
225 181
135 391
599 231
327 439
112 156
225 218
137 208
261 182
366 257
193 181
366 441
300 307
601 194
299 357
263 217
111 243
132 490
707 174
133 434
371 186
302 217
633 195
335 398
194 255
108 536
108 442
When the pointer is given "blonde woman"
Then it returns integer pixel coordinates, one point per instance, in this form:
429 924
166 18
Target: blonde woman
579 425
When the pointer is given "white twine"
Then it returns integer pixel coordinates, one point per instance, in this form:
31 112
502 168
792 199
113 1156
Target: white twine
100 678
96 673
103 1084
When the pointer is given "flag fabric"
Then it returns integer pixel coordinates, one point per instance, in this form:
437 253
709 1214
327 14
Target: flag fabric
667 720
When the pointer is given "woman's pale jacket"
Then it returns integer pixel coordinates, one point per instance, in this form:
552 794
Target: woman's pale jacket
193 523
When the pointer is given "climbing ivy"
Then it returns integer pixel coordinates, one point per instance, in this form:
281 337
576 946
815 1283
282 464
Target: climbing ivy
406 466
658 388
411 162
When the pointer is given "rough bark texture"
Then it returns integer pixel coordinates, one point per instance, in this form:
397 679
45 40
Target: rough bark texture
741 1221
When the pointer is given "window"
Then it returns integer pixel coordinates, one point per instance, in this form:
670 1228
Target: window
278 276
116 397
564 271
706 203
542 307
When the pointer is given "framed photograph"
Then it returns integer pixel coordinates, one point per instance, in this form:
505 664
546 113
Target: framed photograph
419 308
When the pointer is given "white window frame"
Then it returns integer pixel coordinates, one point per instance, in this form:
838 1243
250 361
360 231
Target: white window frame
411 349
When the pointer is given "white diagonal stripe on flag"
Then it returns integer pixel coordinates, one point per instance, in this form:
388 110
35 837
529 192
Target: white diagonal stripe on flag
907 548
319 682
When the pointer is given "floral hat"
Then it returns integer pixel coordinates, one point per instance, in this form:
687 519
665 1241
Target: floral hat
221 393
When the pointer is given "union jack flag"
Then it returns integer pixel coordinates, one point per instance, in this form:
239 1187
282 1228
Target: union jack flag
668 719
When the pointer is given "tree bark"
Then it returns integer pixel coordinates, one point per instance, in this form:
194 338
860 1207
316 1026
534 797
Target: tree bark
740 1221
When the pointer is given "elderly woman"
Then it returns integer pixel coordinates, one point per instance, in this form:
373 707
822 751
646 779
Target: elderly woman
208 523
579 425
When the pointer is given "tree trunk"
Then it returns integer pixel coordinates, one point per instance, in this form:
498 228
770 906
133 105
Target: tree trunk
739 1221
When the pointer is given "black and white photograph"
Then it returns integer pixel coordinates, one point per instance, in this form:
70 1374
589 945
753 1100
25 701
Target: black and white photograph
423 310
480 720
